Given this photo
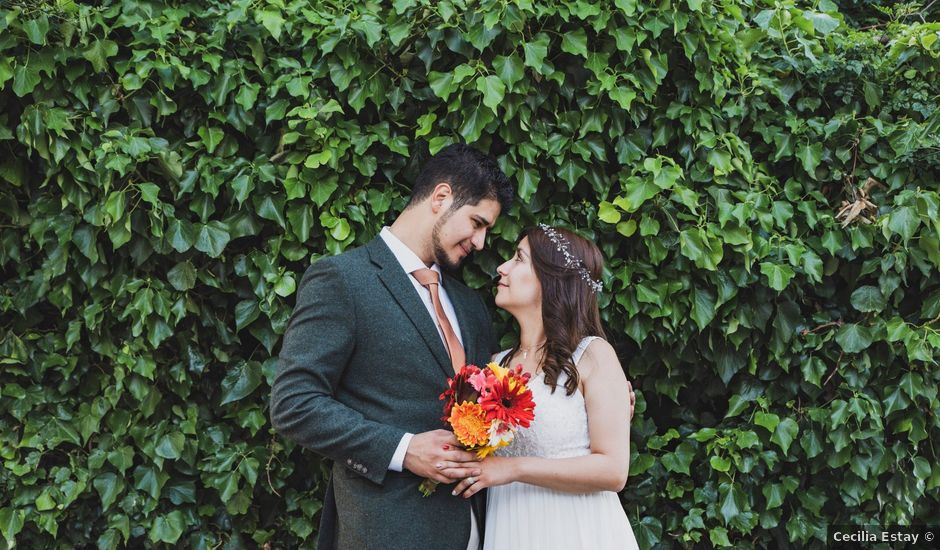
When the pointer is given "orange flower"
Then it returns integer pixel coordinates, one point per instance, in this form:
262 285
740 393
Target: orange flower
470 425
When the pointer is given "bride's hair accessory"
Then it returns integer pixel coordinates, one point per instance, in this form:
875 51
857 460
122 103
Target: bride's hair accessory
561 244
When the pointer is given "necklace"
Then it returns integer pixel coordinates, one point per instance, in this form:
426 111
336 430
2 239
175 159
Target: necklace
525 351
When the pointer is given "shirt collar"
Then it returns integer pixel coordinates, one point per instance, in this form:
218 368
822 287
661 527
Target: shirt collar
406 257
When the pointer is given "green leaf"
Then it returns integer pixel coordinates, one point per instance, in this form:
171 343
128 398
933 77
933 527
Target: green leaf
732 503
493 90
212 238
778 275
868 299
211 137
315 160
271 19
575 42
285 285
812 266
36 29
628 7
811 443
474 123
240 381
774 493
810 155
98 53
167 528
769 421
904 222
44 501
528 184
246 312
822 22
442 84
719 536
536 51
510 69
854 338
813 369
608 213
341 230
109 487
122 458
170 446
243 186
623 96
695 245
301 220
703 307
627 228
181 234
25 79
720 161
895 400
785 433
679 460
182 276
720 464
872 94
637 192
11 523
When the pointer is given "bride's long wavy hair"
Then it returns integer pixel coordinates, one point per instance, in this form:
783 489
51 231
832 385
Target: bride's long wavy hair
569 305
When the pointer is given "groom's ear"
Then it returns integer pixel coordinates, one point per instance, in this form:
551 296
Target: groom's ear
441 198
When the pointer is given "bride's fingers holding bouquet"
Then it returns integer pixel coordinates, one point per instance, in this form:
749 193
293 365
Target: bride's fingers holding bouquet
494 470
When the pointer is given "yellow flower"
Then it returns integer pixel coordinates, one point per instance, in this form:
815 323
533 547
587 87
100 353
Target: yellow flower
470 425
483 452
499 371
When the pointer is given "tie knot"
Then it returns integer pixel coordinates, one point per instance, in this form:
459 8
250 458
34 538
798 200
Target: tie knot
426 276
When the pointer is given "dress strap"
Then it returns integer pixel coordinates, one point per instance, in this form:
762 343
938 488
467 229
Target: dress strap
579 351
501 355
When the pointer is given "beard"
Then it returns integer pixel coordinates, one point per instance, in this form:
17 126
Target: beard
441 257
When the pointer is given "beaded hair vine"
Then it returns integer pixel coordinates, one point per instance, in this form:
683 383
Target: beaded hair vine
561 244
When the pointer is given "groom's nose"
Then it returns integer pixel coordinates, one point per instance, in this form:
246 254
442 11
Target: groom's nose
479 239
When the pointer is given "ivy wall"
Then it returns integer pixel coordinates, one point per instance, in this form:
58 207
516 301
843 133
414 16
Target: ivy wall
761 176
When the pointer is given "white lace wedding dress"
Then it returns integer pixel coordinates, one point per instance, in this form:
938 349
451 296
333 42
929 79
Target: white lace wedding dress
520 516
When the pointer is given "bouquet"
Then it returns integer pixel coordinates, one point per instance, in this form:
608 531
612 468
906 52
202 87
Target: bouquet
484 408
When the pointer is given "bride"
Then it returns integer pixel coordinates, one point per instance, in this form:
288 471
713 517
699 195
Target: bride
556 484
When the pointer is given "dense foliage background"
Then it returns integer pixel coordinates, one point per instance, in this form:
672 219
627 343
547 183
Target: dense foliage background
761 175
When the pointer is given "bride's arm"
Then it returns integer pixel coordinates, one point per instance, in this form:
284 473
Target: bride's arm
607 401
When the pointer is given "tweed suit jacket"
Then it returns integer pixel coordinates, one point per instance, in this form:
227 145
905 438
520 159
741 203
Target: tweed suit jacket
361 363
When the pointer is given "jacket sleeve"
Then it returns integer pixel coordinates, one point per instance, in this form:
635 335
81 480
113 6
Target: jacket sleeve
316 349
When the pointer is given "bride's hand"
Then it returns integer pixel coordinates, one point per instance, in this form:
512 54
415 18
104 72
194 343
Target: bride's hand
494 470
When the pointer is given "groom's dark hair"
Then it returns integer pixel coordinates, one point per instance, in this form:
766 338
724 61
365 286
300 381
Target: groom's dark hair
472 175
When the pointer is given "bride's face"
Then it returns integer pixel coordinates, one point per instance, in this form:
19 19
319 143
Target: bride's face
518 286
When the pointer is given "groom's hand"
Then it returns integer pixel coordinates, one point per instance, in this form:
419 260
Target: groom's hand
437 455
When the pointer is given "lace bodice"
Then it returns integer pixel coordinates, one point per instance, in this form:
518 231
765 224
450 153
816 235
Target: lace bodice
560 428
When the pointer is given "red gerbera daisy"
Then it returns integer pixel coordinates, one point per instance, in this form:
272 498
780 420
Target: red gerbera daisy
509 400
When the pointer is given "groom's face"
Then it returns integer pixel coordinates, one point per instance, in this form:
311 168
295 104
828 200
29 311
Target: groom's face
461 231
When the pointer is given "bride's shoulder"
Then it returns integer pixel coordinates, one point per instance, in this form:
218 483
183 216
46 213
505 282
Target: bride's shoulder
598 354
498 356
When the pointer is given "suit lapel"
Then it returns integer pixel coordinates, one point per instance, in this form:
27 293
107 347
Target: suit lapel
462 303
403 291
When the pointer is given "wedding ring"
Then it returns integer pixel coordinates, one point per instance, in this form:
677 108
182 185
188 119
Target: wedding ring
472 480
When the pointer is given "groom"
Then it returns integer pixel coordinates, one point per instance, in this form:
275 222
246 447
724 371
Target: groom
373 338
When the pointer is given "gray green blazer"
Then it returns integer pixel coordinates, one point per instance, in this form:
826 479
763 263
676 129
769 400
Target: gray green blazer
362 363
